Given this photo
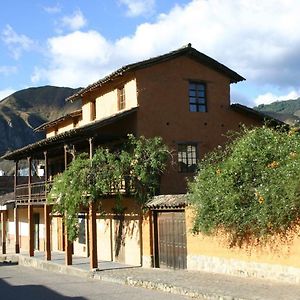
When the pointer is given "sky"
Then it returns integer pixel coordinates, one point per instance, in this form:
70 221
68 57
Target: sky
74 43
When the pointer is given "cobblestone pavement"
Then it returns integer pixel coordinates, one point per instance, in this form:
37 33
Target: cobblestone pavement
202 285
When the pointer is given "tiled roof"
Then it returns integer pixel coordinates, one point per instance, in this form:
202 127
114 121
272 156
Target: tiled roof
168 201
258 114
186 50
79 132
56 121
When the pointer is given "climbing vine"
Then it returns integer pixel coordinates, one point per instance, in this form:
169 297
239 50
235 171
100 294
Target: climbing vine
250 188
133 170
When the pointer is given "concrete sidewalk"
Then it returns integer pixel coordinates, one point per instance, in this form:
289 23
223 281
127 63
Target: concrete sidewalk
196 284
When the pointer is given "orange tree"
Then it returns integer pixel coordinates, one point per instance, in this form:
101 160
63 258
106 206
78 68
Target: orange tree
250 188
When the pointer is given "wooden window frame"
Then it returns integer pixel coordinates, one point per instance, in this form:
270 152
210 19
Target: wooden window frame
187 159
121 98
197 96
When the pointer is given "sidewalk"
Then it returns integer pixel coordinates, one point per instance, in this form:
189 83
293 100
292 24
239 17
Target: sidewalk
196 284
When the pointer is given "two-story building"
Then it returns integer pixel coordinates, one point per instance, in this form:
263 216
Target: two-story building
182 96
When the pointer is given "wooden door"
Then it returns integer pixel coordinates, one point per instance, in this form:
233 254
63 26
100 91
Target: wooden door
171 239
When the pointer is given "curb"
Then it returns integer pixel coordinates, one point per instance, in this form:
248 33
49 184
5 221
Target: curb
100 275
161 286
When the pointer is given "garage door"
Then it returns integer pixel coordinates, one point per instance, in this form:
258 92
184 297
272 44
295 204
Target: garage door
171 239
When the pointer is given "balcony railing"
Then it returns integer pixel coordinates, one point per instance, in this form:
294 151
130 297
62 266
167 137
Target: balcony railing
34 192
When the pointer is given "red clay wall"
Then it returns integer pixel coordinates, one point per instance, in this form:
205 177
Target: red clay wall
164 111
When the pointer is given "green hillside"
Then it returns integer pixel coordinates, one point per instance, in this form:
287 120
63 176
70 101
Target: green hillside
287 111
25 110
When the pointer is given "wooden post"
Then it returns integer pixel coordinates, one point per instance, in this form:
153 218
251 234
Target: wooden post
47 217
30 213
3 229
16 179
93 236
68 248
46 166
66 156
17 237
91 147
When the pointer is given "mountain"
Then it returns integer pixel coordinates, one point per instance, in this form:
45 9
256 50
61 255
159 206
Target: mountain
287 111
25 110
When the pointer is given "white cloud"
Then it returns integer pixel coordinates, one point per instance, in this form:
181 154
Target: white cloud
52 9
259 39
5 93
138 7
269 97
8 70
74 22
77 59
17 43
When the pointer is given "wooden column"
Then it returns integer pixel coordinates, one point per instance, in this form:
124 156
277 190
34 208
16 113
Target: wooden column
91 147
3 230
16 217
46 175
66 156
68 248
93 236
47 217
47 211
30 213
16 179
17 237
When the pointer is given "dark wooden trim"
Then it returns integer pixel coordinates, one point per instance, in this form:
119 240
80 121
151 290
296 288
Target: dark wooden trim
3 230
93 236
17 236
47 218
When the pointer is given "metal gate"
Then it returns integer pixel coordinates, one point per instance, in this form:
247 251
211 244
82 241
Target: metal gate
171 239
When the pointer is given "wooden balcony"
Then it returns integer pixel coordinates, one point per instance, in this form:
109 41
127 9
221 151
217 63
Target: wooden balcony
32 193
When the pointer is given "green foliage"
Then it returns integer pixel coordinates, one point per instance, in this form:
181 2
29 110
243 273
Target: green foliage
134 170
250 189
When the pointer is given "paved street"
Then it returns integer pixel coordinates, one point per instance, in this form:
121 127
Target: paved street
18 282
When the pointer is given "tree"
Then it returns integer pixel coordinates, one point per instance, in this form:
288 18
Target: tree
137 167
250 188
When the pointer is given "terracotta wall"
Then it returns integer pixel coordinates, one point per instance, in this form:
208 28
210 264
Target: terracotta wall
200 245
164 111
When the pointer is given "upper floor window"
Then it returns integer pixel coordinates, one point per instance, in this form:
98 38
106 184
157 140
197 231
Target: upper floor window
187 157
93 110
121 98
197 97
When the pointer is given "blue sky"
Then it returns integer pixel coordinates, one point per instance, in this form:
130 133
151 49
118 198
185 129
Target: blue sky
74 43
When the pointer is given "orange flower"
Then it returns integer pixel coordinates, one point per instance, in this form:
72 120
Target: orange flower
274 164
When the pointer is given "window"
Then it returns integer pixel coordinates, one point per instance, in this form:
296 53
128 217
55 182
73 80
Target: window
187 158
93 110
121 98
197 97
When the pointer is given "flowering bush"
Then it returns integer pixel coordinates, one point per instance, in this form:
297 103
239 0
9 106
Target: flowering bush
139 163
250 189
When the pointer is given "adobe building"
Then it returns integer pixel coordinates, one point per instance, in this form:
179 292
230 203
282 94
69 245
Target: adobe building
182 96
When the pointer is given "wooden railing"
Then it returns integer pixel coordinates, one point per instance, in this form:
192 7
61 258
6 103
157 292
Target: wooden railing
35 192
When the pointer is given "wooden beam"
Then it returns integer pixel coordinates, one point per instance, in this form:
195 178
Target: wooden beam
68 248
30 213
93 236
30 230
47 218
16 179
3 230
17 237
91 147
